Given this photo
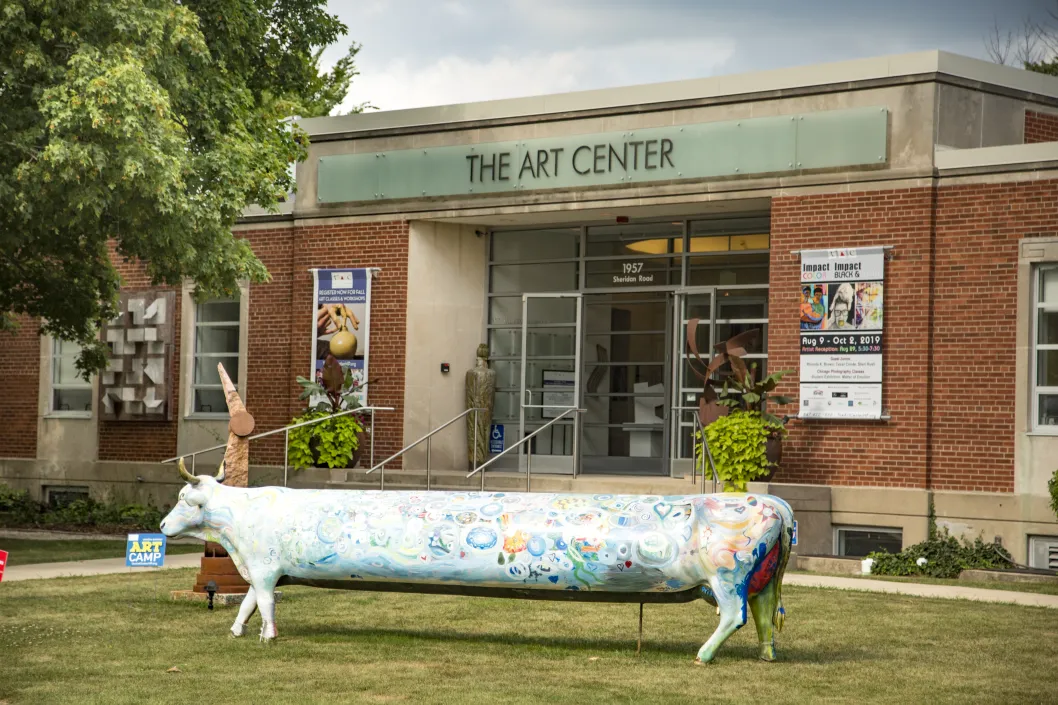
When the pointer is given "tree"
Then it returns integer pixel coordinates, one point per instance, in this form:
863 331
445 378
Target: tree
1034 46
145 128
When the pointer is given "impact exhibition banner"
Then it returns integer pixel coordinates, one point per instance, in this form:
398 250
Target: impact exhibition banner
841 333
342 305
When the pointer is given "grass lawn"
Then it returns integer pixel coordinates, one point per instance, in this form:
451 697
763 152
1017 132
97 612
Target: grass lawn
112 639
29 551
1041 588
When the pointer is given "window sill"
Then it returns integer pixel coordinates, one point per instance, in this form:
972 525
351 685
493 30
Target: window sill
1043 434
69 415
207 416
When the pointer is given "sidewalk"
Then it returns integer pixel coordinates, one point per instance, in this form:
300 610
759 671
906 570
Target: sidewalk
100 566
949 592
48 535
106 566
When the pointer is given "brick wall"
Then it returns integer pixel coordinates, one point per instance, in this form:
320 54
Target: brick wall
144 440
892 454
281 317
1040 127
977 233
19 389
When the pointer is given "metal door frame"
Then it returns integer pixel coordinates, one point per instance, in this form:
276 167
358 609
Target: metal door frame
679 343
524 390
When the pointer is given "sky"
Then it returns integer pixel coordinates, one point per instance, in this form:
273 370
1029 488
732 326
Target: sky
419 53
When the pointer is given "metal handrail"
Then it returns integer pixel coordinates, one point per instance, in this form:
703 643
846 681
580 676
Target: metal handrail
698 428
285 430
427 437
529 456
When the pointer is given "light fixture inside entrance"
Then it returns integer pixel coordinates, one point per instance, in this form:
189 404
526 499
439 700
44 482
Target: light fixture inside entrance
712 243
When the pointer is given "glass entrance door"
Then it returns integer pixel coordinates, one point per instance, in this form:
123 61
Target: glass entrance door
626 395
550 379
723 313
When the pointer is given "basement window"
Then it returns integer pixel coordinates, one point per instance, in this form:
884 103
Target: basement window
64 495
1043 552
858 541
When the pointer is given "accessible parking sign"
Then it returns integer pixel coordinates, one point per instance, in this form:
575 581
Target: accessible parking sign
145 551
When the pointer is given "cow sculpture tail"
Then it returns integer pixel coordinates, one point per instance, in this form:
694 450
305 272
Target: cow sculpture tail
785 541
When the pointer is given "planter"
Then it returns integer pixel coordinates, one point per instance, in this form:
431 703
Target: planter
773 449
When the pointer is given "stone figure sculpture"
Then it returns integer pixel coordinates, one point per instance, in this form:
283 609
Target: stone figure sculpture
480 394
727 549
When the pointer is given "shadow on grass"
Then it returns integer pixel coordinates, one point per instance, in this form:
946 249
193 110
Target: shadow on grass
787 654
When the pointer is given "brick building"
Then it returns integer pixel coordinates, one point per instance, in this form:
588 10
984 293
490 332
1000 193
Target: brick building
611 217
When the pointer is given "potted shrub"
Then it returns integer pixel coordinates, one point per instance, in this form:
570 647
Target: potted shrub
745 439
336 442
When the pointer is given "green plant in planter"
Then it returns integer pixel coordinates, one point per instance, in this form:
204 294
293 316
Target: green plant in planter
738 443
332 443
1052 485
733 408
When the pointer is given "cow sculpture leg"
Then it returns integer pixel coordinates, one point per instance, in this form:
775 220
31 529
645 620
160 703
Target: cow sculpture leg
246 610
266 600
763 605
732 608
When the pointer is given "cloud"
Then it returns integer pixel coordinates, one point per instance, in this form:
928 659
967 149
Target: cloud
403 83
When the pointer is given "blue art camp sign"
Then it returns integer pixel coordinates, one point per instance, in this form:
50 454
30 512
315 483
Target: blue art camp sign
145 551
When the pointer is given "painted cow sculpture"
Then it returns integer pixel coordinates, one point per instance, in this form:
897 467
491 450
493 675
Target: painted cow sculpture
728 549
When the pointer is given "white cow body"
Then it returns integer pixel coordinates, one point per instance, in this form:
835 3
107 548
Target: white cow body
729 549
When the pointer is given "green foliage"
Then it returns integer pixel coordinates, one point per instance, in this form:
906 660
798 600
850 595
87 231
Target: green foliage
338 388
743 391
146 127
17 508
1052 486
328 443
738 443
945 556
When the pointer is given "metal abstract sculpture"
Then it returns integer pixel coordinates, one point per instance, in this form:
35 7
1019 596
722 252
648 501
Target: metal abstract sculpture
135 385
727 549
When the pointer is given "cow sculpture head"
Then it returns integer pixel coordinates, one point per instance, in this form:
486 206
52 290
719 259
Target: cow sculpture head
188 517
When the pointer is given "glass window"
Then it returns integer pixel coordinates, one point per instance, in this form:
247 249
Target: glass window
216 341
628 240
1045 348
70 393
858 542
530 245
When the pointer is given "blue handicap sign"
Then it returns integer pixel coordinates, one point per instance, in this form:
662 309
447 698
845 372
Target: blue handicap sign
145 551
794 541
496 438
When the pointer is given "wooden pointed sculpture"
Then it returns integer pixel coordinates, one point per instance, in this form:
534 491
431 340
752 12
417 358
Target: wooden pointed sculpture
216 565
237 456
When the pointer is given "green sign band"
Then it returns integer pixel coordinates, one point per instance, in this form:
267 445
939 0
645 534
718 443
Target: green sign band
836 138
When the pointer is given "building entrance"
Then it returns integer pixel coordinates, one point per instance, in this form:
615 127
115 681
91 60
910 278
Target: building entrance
595 318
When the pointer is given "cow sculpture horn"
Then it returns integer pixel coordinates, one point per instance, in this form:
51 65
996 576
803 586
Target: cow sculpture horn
186 475
219 477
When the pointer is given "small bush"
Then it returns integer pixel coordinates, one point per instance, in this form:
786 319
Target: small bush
1052 485
945 556
18 509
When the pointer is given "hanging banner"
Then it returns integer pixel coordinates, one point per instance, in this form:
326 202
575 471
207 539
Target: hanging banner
841 333
341 302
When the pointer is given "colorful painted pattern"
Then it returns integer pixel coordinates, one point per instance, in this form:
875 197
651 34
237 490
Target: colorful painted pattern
727 545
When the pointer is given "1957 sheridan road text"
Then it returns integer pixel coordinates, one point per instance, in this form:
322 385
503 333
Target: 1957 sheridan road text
728 549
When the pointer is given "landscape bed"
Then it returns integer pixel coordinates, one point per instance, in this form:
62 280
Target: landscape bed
112 639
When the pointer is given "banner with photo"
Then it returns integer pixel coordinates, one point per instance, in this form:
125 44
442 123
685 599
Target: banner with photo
341 305
841 333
